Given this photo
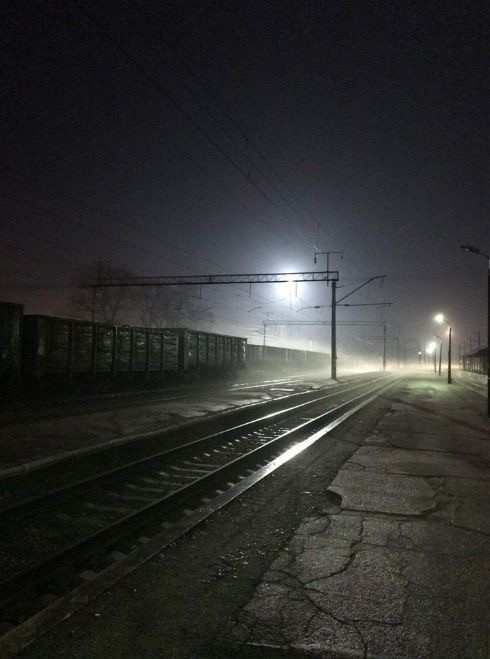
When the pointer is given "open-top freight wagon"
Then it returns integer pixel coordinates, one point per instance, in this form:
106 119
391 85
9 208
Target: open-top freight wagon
44 349
11 316
60 348
271 356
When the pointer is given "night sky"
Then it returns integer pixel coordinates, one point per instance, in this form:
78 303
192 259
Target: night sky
210 137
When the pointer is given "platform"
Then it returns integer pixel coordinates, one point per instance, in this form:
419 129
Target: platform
398 564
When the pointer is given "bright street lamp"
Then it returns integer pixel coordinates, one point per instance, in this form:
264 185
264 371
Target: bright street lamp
475 250
439 318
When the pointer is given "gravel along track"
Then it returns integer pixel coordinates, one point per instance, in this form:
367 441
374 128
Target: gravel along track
52 542
61 469
48 407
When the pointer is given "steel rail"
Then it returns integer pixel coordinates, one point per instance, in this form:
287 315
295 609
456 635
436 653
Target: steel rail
69 559
29 506
54 462
113 533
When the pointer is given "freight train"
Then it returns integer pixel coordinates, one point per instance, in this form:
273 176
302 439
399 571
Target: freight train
37 349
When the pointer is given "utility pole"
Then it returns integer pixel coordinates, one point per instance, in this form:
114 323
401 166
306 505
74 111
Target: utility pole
333 370
385 331
335 302
449 378
265 323
333 336
439 338
99 274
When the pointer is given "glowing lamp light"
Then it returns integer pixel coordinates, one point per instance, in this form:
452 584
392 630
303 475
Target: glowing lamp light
439 318
431 347
292 286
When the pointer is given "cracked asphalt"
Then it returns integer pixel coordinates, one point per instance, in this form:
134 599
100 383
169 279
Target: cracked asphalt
374 543
399 565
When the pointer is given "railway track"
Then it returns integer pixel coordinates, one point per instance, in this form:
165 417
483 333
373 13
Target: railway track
41 476
77 536
49 408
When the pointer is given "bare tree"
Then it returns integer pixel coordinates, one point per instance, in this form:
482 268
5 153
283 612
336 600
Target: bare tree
108 305
158 306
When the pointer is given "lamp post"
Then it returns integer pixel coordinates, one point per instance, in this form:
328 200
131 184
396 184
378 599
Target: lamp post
475 250
440 352
432 350
439 318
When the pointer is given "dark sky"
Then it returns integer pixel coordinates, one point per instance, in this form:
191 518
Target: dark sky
187 137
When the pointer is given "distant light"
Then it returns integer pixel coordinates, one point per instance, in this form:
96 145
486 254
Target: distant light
439 318
420 352
292 286
470 248
431 347
475 250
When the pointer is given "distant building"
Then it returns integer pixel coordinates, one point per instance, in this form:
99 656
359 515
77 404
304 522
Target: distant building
475 361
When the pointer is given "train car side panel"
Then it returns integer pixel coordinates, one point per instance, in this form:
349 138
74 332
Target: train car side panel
11 316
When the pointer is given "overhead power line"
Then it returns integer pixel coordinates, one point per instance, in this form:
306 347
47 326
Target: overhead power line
162 90
324 323
213 97
173 147
227 132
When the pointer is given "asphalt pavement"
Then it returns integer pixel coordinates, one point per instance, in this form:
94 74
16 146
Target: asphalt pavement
399 564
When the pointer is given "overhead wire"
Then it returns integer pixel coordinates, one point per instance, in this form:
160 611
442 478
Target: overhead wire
162 90
112 216
151 235
173 147
120 240
186 66
79 223
232 139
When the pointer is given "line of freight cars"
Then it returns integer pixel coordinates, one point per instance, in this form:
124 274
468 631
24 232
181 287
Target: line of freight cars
43 349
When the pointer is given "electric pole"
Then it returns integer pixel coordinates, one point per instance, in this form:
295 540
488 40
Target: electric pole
449 378
335 303
385 332
334 333
99 274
